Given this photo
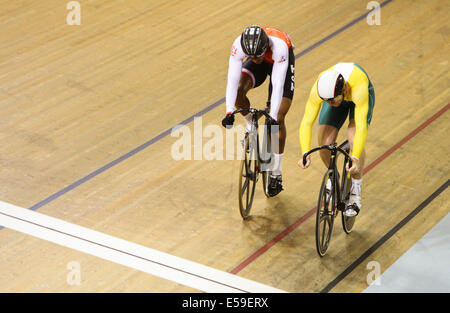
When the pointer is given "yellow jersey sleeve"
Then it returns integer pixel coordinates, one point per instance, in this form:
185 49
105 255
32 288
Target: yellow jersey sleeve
311 111
359 84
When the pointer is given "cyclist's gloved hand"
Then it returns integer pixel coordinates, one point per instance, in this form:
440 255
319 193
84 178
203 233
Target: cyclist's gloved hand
228 120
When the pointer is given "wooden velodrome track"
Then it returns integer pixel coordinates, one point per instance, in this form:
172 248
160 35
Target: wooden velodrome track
76 101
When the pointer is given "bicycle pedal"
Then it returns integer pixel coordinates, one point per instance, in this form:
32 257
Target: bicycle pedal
341 206
352 211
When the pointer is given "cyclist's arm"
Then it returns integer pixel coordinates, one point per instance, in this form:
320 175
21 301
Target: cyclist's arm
311 111
234 74
360 96
280 56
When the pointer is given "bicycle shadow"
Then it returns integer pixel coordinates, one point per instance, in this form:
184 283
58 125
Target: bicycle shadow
259 225
269 221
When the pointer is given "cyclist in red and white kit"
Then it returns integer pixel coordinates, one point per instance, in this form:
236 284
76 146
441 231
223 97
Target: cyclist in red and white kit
269 51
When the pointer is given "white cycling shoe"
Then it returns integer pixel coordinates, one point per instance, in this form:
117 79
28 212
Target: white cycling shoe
354 203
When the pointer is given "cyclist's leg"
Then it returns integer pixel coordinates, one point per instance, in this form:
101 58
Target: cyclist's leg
281 112
354 202
351 135
245 84
330 122
281 115
253 75
327 135
356 189
257 73
278 139
278 150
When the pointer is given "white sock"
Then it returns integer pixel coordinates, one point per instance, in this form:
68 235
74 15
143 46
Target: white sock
277 158
356 186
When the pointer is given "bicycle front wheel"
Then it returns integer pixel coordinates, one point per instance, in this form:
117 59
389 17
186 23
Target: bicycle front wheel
248 176
347 221
266 155
324 215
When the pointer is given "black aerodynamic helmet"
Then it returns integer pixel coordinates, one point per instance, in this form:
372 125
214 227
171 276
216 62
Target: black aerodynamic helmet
254 41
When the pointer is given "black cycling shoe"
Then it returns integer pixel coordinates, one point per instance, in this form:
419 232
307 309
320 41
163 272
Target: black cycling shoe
275 186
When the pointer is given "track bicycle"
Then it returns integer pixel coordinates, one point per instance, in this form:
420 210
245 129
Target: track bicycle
256 159
330 202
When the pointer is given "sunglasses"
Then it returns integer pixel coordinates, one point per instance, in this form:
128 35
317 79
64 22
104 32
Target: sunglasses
256 57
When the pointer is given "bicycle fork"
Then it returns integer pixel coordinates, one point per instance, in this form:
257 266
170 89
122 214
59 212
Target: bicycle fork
337 203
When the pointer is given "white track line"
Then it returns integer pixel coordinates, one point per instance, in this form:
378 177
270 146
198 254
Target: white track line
126 253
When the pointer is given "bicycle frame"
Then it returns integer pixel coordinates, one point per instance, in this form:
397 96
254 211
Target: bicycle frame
325 214
256 115
252 154
335 150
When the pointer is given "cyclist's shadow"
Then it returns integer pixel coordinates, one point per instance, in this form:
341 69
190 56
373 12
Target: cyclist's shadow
269 221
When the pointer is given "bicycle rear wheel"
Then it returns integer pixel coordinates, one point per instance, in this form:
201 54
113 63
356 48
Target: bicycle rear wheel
248 176
347 221
324 216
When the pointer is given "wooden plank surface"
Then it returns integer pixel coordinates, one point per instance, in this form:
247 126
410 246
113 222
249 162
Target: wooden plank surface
76 98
